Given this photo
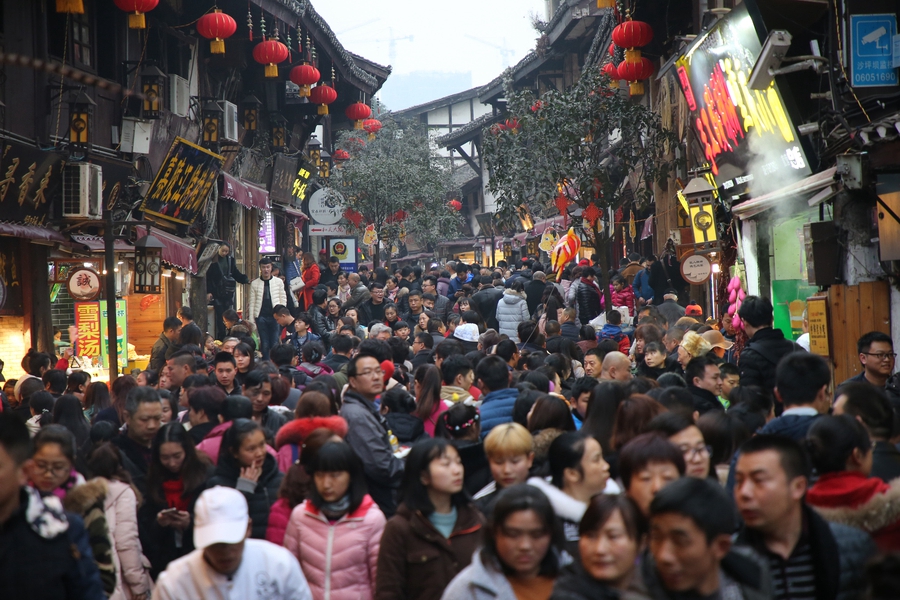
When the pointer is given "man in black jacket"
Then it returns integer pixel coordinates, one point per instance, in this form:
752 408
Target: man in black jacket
767 346
317 313
143 416
485 302
373 308
704 383
341 347
806 555
534 289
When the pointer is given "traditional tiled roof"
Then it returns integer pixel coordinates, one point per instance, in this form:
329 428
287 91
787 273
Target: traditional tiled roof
432 104
467 131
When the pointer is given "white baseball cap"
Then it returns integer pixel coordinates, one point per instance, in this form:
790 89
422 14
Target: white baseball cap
220 517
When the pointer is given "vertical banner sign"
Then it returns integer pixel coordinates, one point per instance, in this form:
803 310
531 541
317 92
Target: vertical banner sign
267 235
183 182
301 183
87 322
871 50
345 250
817 315
121 332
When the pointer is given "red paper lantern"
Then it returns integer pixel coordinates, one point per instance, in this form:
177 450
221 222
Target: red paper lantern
136 10
323 95
216 26
612 72
358 112
455 204
305 76
270 53
634 72
513 125
340 155
372 126
631 34
612 49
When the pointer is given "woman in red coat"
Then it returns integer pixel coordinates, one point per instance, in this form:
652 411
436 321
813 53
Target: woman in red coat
310 275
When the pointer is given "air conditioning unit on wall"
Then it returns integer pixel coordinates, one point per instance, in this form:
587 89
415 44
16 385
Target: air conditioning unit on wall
179 95
230 123
82 191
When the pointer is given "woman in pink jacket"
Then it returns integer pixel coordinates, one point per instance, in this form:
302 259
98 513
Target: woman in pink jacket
336 533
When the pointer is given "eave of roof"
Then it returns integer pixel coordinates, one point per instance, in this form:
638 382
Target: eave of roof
437 103
467 132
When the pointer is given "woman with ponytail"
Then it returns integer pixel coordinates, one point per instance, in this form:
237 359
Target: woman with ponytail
311 355
427 389
461 424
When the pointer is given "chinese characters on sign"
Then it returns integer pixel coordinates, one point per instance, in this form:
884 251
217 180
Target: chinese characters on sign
871 56
83 284
283 175
817 315
87 323
28 180
301 183
121 332
182 185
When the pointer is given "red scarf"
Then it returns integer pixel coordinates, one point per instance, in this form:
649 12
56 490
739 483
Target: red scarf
844 488
174 492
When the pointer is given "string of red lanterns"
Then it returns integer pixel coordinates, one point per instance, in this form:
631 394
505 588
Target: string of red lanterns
305 76
358 112
631 34
322 95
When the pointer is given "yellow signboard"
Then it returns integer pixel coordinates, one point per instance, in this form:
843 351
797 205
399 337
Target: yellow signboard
817 315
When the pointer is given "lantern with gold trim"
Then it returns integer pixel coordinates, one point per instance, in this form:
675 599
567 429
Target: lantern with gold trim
212 115
216 26
322 95
136 10
631 34
152 84
358 112
81 112
270 53
372 126
304 76
250 105
72 7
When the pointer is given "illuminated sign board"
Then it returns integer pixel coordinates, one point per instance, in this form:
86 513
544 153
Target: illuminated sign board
746 135
182 185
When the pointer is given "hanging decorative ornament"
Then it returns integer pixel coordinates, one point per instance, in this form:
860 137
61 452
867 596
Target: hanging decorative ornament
249 22
455 204
609 69
216 26
606 3
358 112
630 35
370 236
288 42
305 76
513 125
136 10
565 250
612 50
270 53
74 7
350 214
262 24
634 73
323 95
372 126
591 214
340 156
632 228
548 240
562 205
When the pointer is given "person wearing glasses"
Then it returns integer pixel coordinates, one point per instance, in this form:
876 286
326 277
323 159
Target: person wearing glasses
680 429
877 357
367 431
766 347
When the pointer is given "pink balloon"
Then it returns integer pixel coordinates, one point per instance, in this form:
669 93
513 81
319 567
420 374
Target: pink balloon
737 305
742 294
736 321
732 296
731 309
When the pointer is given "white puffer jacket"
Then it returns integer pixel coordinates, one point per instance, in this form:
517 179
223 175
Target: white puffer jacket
132 567
257 286
512 309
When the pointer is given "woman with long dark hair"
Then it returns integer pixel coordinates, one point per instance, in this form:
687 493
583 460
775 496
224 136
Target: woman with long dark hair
427 387
336 532
245 466
520 554
436 520
67 412
115 412
612 533
333 314
176 476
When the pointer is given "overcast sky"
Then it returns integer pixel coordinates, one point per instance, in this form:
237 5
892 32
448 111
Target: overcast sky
442 33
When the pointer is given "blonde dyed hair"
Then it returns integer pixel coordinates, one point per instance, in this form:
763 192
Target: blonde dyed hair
508 439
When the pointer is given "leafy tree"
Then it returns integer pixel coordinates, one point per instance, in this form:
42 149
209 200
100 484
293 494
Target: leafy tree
585 145
397 183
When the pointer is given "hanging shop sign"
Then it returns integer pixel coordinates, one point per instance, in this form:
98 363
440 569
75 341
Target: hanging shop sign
87 324
696 269
326 207
121 332
871 54
742 132
284 172
323 230
300 187
817 316
30 180
267 234
183 182
345 251
83 284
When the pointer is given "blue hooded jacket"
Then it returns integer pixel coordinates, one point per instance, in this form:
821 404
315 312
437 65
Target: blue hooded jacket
497 408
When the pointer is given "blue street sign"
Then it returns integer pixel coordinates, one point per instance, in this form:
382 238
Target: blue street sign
871 50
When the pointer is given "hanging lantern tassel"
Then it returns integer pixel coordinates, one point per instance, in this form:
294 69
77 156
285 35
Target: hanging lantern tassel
606 3
136 10
216 26
75 7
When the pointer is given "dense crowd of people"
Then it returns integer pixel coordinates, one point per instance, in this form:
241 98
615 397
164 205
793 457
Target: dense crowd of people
459 433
